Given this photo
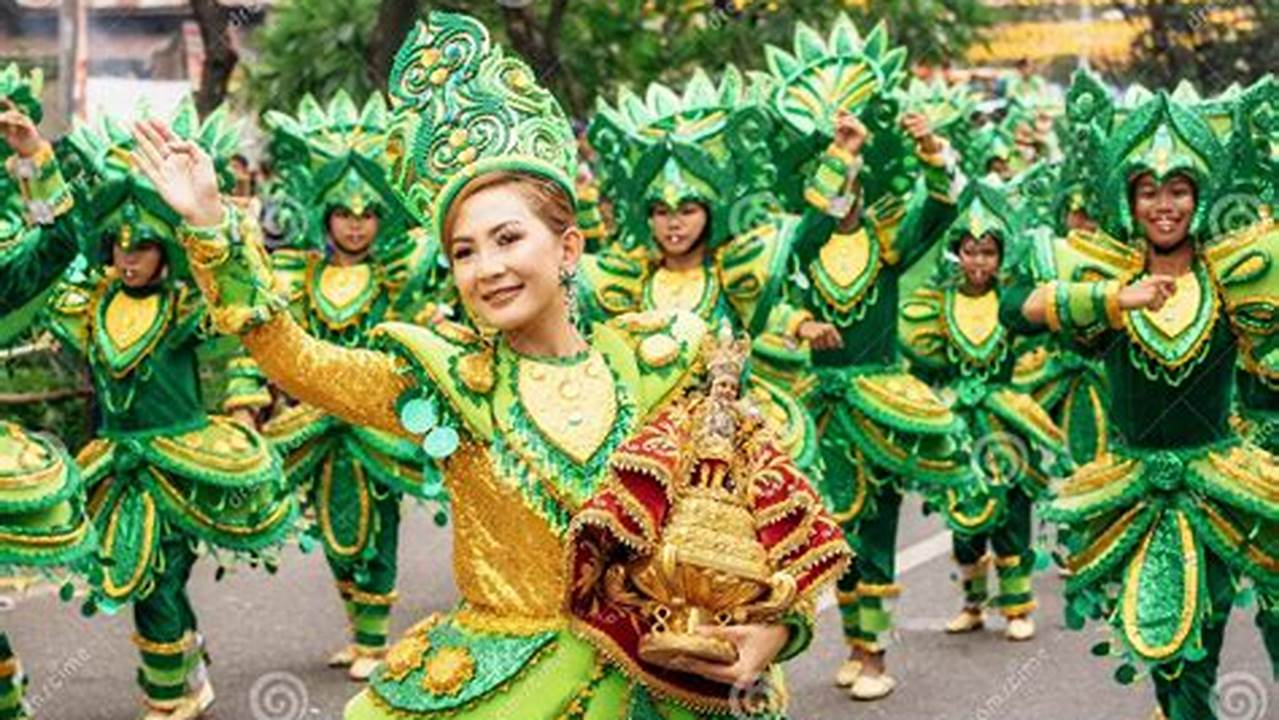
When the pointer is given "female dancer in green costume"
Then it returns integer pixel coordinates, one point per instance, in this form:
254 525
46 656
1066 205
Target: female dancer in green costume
43 523
953 338
348 278
164 477
1161 529
528 415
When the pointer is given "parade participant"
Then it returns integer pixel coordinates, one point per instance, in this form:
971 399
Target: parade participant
1160 529
703 239
953 339
531 407
882 430
43 523
348 279
164 477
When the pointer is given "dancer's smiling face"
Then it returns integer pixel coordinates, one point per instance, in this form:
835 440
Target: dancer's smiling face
679 230
1164 210
509 243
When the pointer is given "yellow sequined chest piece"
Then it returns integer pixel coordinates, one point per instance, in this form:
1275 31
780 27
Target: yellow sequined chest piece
977 317
128 319
683 290
845 257
1179 312
343 285
574 406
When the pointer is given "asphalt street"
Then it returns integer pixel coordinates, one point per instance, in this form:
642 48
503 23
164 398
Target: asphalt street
269 637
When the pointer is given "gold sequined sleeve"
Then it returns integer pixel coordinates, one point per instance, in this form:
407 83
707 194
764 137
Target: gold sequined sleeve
359 386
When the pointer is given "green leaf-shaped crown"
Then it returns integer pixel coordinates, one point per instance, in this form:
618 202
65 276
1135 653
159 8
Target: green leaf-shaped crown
710 144
846 72
983 209
122 205
23 90
464 109
340 156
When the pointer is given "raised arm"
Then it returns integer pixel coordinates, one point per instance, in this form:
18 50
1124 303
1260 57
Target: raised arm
233 272
46 243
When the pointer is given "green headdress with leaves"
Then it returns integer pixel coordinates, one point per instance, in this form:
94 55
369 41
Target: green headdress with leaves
983 209
122 205
340 157
709 145
843 72
463 108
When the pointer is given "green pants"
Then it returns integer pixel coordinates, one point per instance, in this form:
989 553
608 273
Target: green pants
1185 689
360 527
11 683
166 625
1010 541
864 592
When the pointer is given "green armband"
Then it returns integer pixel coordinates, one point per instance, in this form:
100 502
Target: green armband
44 193
246 386
825 189
233 271
800 625
1083 305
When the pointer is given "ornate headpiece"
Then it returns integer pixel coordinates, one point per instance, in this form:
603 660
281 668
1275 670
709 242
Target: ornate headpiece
340 157
123 205
845 72
709 145
464 109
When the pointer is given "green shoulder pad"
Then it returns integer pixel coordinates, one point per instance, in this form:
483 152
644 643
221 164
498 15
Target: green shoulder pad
452 359
614 281
921 330
663 347
69 315
1246 266
42 518
752 267
1089 257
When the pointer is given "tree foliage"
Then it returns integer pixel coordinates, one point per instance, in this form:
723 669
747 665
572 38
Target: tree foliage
1212 45
584 48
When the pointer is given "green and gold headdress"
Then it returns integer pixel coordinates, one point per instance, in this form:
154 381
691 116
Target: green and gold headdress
710 144
340 157
463 108
982 209
844 71
123 206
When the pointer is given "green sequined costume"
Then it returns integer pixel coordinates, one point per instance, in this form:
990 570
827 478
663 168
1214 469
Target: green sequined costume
526 438
164 478
711 146
881 431
353 477
955 341
1160 530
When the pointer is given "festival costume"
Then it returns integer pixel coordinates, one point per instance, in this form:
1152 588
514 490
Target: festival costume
710 146
164 477
43 523
1160 528
955 340
354 477
527 438
881 430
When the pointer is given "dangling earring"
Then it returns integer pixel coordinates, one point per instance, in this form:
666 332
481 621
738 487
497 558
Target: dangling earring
568 283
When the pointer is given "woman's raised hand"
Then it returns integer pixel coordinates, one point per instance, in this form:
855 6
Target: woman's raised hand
181 171
19 132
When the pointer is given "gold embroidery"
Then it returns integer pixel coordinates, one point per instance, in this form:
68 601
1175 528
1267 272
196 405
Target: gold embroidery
679 290
845 257
574 406
342 285
405 656
977 317
1179 312
223 446
109 585
326 500
476 371
128 319
24 462
448 670
903 393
